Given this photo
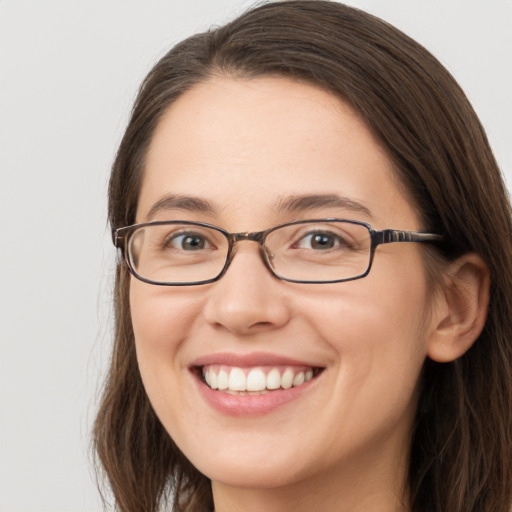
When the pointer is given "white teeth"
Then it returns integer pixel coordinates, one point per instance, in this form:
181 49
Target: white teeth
298 379
256 380
287 379
223 380
273 379
241 381
213 380
237 380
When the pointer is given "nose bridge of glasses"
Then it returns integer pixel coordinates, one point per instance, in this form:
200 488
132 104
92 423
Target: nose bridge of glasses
254 236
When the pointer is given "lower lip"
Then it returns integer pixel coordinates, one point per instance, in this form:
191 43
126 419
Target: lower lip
251 405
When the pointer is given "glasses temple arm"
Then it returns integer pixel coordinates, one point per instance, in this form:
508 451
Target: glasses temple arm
387 236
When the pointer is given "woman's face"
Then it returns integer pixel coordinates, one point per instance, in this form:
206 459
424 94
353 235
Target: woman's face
252 154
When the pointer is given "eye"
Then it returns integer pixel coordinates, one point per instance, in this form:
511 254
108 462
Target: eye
188 242
321 241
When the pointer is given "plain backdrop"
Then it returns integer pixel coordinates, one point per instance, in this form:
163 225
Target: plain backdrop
69 71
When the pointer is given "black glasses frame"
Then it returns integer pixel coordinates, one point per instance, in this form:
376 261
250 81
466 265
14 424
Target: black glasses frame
121 236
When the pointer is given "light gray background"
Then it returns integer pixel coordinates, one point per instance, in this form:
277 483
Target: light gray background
68 74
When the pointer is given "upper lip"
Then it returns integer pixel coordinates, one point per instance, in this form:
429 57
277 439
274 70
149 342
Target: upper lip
249 360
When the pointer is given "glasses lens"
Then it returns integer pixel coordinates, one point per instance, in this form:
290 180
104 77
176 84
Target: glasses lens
319 251
177 253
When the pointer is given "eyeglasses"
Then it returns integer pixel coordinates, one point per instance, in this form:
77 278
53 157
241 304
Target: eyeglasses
181 253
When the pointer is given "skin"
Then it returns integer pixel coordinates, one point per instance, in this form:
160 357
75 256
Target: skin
342 445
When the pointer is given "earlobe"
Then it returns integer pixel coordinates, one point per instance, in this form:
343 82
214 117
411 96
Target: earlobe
461 308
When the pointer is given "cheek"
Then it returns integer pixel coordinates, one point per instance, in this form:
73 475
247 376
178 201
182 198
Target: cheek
160 319
378 331
162 322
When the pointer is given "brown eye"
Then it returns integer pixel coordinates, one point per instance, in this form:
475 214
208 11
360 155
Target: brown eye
188 242
321 241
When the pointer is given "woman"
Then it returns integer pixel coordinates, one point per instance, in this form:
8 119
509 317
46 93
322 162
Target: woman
276 347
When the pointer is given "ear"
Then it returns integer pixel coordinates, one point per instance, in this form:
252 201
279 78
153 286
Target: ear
461 308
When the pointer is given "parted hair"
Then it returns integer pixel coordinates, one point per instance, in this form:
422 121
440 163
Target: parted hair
461 450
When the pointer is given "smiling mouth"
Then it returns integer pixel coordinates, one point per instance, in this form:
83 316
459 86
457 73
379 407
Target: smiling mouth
255 381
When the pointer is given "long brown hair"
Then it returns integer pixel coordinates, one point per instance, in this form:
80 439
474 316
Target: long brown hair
461 452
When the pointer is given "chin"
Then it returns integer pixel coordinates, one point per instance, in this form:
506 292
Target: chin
246 476
251 469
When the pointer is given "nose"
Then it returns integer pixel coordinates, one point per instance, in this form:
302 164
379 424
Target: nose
248 298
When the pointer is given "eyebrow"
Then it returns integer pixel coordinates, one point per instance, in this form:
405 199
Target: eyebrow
180 202
290 204
301 203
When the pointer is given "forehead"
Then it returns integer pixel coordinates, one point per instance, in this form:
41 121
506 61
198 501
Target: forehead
247 145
